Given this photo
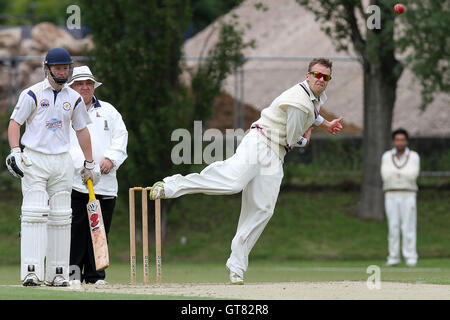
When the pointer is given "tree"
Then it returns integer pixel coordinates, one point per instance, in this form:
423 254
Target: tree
20 12
138 57
376 48
205 12
426 35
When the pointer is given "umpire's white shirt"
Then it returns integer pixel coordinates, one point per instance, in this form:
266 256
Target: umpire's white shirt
109 139
48 115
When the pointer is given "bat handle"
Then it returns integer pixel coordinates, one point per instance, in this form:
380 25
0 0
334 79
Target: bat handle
90 186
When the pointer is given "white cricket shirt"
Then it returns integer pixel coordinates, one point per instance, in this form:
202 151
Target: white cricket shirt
400 174
289 116
48 115
109 139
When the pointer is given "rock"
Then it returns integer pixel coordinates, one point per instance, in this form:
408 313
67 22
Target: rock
10 38
30 47
35 76
4 79
47 36
44 36
4 53
24 70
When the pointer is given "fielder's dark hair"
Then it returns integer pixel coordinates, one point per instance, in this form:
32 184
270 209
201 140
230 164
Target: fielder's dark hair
400 131
325 62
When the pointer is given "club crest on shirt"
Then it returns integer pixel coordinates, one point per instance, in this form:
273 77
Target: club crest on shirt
66 106
44 103
53 124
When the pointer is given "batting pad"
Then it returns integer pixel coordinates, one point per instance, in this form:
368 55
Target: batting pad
58 230
33 233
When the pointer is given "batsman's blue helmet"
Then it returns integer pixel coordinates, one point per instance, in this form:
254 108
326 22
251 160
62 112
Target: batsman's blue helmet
57 56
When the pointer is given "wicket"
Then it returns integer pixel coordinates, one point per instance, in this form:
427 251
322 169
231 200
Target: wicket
146 264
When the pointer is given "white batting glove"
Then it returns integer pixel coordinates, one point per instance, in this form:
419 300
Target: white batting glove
91 171
16 162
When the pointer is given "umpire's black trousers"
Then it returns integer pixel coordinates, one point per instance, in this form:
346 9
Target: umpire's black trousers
81 251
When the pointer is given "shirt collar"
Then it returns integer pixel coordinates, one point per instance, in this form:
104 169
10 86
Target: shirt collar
47 85
394 151
322 98
95 103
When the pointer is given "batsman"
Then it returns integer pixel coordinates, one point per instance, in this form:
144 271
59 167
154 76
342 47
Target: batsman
256 168
49 108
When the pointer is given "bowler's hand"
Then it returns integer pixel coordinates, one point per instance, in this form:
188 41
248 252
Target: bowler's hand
333 127
307 134
106 165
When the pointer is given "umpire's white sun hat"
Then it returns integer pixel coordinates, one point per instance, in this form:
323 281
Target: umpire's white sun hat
83 73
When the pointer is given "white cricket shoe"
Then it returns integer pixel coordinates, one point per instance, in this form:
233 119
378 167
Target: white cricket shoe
235 278
31 280
411 263
75 283
157 191
101 282
58 281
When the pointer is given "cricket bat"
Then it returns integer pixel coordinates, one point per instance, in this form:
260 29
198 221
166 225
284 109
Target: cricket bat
97 228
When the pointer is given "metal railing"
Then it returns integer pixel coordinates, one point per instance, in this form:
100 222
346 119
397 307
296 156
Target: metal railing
238 84
237 88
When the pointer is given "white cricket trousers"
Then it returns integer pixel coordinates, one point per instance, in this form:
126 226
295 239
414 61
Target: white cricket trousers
46 215
401 212
256 171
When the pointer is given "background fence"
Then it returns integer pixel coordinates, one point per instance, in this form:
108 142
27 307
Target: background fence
257 83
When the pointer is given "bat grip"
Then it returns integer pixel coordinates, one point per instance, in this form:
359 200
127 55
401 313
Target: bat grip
90 186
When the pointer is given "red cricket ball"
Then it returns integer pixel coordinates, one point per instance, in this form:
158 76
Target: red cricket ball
399 8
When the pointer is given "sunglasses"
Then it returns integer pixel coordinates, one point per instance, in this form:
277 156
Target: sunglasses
319 75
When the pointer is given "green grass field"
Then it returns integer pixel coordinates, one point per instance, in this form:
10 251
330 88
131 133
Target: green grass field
313 236
430 271
305 226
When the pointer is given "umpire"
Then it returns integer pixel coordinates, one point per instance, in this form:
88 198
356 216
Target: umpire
109 143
